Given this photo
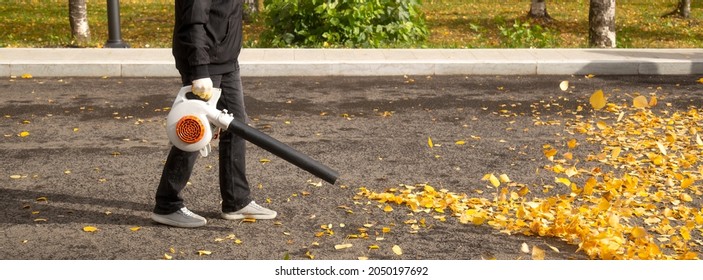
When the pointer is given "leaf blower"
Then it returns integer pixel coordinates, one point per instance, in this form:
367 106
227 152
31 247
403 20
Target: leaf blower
188 126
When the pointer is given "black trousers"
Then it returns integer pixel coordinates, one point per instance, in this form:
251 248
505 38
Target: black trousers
234 187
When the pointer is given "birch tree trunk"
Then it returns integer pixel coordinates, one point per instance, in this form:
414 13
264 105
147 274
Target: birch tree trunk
601 24
78 17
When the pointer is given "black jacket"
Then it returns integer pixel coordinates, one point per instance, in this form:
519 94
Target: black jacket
207 36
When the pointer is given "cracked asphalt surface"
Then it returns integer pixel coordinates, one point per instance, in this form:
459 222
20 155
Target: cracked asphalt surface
96 148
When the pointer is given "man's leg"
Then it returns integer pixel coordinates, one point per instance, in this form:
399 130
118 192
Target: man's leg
175 175
169 208
234 186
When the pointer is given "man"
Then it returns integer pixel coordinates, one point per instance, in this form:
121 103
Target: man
207 39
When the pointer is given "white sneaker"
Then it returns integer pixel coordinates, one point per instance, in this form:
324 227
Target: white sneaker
251 211
181 218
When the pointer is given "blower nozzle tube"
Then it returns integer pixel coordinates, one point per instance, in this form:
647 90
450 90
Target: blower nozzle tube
283 151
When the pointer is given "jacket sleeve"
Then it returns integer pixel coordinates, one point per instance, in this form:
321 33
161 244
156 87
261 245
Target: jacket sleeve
193 17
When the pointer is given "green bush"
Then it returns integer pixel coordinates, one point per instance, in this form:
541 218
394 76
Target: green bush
526 35
343 23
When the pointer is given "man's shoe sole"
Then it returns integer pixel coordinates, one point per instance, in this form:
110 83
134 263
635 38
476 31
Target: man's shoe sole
159 219
240 216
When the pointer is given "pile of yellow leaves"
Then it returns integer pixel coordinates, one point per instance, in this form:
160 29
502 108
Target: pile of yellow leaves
639 197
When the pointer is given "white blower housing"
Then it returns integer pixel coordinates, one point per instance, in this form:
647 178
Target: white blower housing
188 124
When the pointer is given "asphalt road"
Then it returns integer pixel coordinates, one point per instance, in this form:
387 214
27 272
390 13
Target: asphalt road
96 147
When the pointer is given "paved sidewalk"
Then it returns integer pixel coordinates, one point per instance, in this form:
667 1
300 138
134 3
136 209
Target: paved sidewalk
360 62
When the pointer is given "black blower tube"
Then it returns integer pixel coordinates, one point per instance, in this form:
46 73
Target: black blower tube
283 151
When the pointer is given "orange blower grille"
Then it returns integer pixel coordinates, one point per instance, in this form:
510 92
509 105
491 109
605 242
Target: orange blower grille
190 129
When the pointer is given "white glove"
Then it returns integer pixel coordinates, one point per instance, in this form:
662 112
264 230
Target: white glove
202 88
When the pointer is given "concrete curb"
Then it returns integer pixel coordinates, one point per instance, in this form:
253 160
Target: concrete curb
95 62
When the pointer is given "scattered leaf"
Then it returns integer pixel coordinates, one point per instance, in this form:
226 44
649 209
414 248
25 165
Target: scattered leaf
597 100
397 250
564 85
343 246
537 253
640 102
89 229
204 252
525 248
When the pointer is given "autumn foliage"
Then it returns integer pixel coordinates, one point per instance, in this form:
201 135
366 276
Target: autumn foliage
633 199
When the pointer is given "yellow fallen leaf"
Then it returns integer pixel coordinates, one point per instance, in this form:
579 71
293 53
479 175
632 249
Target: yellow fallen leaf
343 246
264 160
15 176
167 257
602 125
504 178
26 76
204 252
249 220
564 85
700 80
23 134
597 100
374 246
429 142
640 102
685 233
589 76
555 249
460 142
491 178
537 253
661 147
686 197
616 152
397 250
525 248
89 229
388 208
135 228
653 101
638 232
564 181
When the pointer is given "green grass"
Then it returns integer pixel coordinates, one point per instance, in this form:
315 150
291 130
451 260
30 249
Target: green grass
452 23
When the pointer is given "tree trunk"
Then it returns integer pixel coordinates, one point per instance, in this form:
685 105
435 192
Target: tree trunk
538 10
601 24
683 9
78 17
